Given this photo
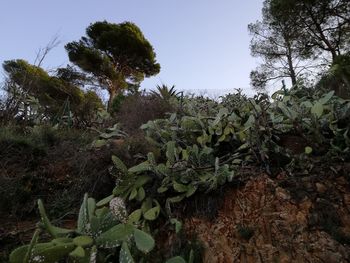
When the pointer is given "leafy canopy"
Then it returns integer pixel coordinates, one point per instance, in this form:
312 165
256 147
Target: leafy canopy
116 55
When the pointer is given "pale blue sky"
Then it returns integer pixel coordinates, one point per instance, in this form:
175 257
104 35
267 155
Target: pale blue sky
200 44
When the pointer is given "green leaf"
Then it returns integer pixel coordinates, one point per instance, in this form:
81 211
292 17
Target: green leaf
83 241
104 201
152 213
162 189
33 242
191 257
146 205
19 254
326 97
53 230
142 180
170 152
91 203
179 187
317 109
140 168
125 255
101 211
177 223
62 240
144 241
79 252
135 217
83 218
115 235
99 143
141 194
119 164
177 259
176 199
133 194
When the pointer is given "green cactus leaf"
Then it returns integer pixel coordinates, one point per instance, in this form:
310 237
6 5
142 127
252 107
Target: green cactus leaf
152 213
83 218
144 241
62 240
177 259
95 223
101 211
317 109
83 241
146 205
170 152
33 242
46 252
55 253
191 257
162 189
91 203
179 187
125 255
176 199
326 97
177 223
142 180
107 221
19 253
115 235
104 201
119 164
135 216
141 194
53 230
142 167
99 143
78 252
133 194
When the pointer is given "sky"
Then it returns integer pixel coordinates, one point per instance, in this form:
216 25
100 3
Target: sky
201 45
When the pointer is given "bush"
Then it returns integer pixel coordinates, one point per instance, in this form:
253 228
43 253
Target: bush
139 109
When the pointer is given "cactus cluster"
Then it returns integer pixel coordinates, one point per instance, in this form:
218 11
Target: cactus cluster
97 228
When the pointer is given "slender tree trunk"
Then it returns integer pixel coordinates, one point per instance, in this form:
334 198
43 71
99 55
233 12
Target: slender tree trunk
292 73
112 94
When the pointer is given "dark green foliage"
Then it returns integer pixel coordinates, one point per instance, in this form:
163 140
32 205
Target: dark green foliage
337 78
115 55
26 79
37 96
201 151
164 92
322 25
276 42
298 39
117 103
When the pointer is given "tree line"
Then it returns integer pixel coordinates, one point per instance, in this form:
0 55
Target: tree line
301 40
114 57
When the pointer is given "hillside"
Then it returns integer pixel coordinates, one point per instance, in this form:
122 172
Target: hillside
240 179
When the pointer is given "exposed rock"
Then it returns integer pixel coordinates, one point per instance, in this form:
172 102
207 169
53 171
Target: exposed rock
282 230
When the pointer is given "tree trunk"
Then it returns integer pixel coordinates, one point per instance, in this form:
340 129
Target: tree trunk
112 94
292 74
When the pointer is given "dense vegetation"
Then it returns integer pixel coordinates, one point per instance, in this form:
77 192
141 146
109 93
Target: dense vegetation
137 177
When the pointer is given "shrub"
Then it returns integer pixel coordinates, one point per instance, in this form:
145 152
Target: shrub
139 109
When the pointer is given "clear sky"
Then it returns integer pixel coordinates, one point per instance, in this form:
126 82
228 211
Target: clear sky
200 44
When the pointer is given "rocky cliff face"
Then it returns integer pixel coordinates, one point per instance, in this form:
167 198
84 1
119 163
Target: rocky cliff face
299 219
